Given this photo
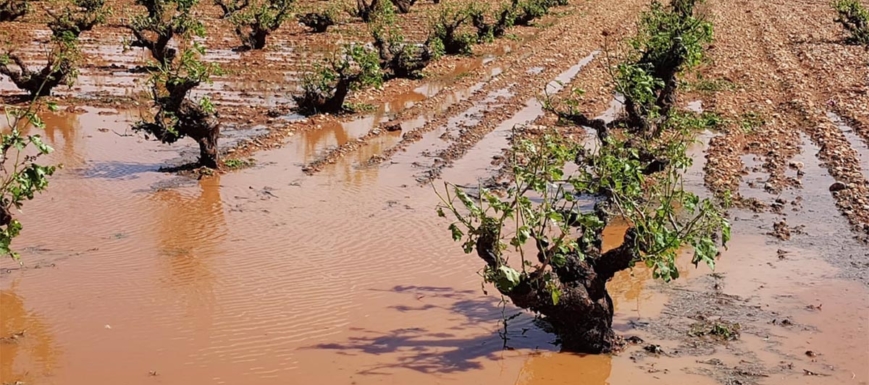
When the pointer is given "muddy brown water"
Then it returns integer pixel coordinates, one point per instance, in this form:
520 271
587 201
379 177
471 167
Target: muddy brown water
267 276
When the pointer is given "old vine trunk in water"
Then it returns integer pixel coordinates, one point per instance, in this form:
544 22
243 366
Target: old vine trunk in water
583 315
177 115
634 177
187 119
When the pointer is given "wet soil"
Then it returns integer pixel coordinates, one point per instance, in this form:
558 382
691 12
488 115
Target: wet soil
324 262
801 74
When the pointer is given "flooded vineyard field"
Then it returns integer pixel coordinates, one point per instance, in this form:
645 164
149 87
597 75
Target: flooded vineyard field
322 259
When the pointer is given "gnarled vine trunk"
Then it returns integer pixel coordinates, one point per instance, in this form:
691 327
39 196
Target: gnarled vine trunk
194 121
404 5
38 83
402 60
201 126
191 120
491 30
366 10
316 21
454 41
253 37
231 6
158 45
11 10
74 23
313 101
583 316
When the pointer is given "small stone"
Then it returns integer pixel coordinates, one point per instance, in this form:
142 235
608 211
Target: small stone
838 186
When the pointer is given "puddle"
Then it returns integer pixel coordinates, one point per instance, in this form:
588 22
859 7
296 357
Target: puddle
475 164
754 178
440 138
264 274
789 282
821 226
345 132
434 87
695 174
695 106
616 106
564 369
312 145
857 143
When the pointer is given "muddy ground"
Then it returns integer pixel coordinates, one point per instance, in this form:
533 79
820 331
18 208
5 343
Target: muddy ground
324 261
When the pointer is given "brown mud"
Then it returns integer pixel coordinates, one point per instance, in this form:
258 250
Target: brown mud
325 263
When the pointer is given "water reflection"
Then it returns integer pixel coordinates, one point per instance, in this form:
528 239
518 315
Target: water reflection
330 134
333 134
190 230
403 101
565 369
34 354
353 171
628 285
61 131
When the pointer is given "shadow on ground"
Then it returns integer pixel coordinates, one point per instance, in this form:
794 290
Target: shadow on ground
475 335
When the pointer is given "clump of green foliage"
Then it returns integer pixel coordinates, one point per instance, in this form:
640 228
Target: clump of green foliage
256 22
750 121
78 16
328 84
543 219
669 41
177 115
716 329
708 85
21 176
60 67
236 164
164 20
690 120
855 19
365 9
11 10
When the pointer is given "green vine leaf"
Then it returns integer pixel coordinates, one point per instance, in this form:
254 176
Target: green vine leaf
507 279
457 234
